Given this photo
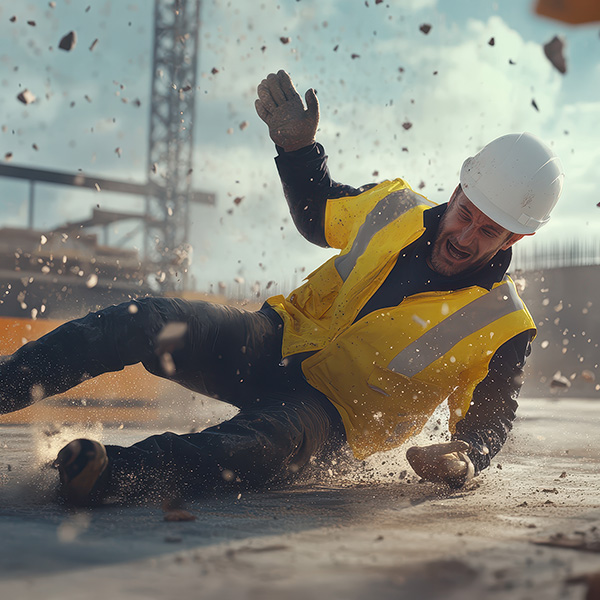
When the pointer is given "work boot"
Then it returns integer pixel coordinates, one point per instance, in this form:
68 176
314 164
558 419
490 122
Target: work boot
82 466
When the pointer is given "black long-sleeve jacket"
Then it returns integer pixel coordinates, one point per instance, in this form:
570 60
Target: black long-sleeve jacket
308 185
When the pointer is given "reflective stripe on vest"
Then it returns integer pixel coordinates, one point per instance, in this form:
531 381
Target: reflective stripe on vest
386 210
439 340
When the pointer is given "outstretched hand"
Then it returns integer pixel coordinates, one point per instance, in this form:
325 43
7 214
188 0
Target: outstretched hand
442 463
279 105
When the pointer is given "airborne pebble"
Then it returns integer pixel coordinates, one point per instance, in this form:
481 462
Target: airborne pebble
554 53
26 97
425 28
68 41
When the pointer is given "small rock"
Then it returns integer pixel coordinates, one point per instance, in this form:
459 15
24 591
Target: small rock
93 44
31 23
237 200
407 125
284 40
554 53
534 104
214 70
559 381
353 56
68 42
588 375
243 125
425 28
26 97
491 41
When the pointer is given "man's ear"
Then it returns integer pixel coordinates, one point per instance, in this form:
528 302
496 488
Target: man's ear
513 239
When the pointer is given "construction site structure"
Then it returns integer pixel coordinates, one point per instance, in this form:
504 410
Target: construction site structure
51 276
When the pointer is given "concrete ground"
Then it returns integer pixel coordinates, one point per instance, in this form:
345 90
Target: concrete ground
366 531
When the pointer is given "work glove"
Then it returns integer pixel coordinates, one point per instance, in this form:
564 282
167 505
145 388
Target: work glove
442 463
279 105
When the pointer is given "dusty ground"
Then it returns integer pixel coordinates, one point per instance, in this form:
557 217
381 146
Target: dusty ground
345 538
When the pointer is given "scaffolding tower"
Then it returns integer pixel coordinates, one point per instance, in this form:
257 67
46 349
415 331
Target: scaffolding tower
171 139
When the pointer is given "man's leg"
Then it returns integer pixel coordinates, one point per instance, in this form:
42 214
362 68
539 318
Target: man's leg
255 449
223 351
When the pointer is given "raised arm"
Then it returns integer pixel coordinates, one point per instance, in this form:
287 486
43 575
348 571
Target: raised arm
301 162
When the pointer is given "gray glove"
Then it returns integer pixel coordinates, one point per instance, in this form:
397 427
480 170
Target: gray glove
279 105
442 463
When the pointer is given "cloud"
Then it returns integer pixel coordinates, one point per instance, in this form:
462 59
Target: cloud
456 90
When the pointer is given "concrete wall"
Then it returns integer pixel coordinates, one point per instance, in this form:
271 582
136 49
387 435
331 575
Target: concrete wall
564 303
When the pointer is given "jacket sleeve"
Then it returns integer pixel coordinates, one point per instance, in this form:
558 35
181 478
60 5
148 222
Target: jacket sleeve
307 185
494 404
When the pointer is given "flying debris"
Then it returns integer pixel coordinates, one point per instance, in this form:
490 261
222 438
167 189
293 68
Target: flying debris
588 375
68 42
491 41
425 28
407 125
93 44
26 97
560 382
554 53
285 40
534 104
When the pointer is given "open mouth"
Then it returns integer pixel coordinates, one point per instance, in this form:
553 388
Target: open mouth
454 252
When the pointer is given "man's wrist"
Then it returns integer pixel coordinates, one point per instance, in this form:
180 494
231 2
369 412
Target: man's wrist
301 151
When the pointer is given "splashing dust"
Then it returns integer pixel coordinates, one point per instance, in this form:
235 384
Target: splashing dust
382 467
27 477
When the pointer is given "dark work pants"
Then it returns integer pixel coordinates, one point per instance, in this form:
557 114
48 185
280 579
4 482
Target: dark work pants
224 353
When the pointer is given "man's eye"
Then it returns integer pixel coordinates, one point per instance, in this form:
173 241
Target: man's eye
489 233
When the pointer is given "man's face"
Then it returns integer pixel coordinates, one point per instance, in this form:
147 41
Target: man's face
467 239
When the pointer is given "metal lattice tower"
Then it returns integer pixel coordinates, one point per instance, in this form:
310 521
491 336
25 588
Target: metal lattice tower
170 144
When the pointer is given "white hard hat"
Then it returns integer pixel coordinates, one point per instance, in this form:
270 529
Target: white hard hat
515 180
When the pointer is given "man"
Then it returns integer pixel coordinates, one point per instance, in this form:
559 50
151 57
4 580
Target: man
415 309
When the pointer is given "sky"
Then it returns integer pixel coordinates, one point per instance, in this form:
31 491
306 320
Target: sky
458 91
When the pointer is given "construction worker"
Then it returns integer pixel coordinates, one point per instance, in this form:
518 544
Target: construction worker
415 309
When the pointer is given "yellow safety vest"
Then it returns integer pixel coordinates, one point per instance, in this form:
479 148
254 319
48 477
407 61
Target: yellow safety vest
388 372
